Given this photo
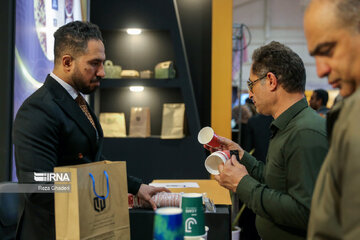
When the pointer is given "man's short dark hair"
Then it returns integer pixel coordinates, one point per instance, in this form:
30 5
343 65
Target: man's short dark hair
73 38
323 95
283 62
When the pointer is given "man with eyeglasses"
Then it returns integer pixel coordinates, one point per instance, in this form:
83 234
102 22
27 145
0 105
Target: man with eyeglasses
280 191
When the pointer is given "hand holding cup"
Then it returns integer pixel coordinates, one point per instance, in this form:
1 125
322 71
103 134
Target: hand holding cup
231 173
213 142
209 139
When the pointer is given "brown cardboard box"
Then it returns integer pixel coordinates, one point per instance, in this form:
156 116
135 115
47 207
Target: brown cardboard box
214 191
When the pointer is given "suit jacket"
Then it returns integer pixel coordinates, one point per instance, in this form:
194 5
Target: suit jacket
51 130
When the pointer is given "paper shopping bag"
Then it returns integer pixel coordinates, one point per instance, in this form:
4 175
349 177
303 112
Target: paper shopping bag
113 124
97 206
173 121
139 122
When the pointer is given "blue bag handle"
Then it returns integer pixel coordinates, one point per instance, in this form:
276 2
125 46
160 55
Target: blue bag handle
107 185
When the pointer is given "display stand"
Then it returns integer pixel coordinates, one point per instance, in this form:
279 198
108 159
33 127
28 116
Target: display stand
153 157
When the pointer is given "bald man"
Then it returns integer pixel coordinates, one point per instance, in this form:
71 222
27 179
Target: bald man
332 29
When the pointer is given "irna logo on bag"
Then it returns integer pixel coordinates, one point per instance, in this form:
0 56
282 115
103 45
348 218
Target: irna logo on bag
52 177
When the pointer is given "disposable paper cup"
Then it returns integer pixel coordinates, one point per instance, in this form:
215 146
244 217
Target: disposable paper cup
215 159
168 224
235 234
208 137
202 237
193 214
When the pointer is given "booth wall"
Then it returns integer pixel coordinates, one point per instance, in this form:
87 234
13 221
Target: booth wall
6 69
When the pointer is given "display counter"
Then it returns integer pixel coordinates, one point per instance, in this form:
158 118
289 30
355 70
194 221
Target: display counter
219 222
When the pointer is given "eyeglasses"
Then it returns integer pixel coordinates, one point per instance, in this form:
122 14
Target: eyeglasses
251 84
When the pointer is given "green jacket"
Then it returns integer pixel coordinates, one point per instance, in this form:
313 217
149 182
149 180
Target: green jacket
280 192
335 208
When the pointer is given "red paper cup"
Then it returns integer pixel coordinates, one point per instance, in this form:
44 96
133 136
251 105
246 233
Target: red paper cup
215 159
208 137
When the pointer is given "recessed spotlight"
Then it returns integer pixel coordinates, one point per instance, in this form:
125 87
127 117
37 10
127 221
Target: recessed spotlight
133 31
136 88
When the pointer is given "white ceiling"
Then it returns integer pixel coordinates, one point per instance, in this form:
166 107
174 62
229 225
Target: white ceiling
279 20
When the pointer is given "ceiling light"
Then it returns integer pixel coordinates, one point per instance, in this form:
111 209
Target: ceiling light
136 88
133 31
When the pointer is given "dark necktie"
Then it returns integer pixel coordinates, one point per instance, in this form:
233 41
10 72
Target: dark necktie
82 103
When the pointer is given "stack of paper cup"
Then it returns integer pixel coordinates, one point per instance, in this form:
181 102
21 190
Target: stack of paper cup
215 159
193 214
168 224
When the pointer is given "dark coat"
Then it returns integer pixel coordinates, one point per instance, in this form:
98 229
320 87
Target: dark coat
51 130
258 136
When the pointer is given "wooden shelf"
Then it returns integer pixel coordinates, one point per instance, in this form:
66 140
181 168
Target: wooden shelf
152 137
151 82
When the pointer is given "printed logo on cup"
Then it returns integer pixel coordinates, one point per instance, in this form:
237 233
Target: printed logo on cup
188 224
215 159
193 214
208 137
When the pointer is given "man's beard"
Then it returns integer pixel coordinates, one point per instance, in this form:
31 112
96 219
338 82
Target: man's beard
80 86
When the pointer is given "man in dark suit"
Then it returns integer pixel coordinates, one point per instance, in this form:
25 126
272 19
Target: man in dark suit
56 127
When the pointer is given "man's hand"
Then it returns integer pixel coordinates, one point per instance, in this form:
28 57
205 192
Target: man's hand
231 174
146 192
226 144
